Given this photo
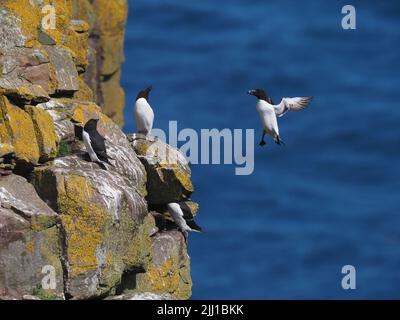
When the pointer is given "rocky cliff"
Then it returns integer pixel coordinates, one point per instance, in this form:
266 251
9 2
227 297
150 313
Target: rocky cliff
68 228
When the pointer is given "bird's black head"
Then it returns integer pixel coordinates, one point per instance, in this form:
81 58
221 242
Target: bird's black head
144 93
91 125
260 94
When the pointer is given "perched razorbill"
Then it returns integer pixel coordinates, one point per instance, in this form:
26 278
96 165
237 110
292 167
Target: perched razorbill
183 218
143 113
268 112
93 141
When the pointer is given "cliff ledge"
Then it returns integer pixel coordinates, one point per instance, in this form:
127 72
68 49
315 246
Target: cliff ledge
68 228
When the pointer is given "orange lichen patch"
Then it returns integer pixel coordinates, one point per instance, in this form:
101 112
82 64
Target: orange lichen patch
83 221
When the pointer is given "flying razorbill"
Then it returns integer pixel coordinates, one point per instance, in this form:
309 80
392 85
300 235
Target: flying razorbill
268 112
143 113
182 216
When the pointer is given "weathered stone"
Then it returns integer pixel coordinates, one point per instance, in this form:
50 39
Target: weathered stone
29 240
114 100
77 42
6 149
10 31
101 214
26 74
44 38
169 271
142 296
28 15
45 133
84 93
16 128
66 73
20 196
167 170
24 253
60 110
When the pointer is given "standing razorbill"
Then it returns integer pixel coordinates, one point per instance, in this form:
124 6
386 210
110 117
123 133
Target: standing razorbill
268 112
143 113
94 142
183 218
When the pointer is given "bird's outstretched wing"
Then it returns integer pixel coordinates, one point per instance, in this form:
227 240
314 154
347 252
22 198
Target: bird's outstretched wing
292 104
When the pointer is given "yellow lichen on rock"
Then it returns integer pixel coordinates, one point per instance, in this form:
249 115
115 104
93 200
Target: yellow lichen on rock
45 132
114 100
77 42
111 15
63 16
166 278
83 222
5 148
84 93
139 251
29 15
17 128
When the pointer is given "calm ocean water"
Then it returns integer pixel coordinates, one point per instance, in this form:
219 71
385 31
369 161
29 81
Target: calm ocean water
327 199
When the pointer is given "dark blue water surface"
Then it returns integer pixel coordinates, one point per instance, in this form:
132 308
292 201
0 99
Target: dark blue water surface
327 199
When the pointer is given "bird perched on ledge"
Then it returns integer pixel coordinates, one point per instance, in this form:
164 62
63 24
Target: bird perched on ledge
143 113
94 142
268 112
183 218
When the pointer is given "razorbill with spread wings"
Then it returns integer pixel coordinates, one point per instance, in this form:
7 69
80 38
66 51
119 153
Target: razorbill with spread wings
182 216
268 112
143 113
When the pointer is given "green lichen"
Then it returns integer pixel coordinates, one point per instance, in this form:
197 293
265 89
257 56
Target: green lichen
39 293
64 149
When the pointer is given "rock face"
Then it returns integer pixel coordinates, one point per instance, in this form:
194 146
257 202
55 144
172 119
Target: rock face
167 169
82 54
70 229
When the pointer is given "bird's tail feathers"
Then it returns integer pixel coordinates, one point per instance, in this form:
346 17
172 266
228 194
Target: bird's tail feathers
101 165
194 226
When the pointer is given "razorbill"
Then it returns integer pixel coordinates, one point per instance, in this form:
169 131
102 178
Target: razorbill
182 216
94 142
268 112
143 113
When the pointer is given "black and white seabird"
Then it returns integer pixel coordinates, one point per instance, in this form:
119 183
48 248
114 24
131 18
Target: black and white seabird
94 142
268 112
143 113
183 218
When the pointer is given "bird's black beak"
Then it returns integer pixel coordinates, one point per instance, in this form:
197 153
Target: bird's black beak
149 88
251 92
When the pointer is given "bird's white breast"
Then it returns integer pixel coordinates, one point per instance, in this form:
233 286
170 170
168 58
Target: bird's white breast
88 144
177 215
267 116
144 116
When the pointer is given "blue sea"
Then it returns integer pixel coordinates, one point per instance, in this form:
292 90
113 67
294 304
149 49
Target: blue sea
331 197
